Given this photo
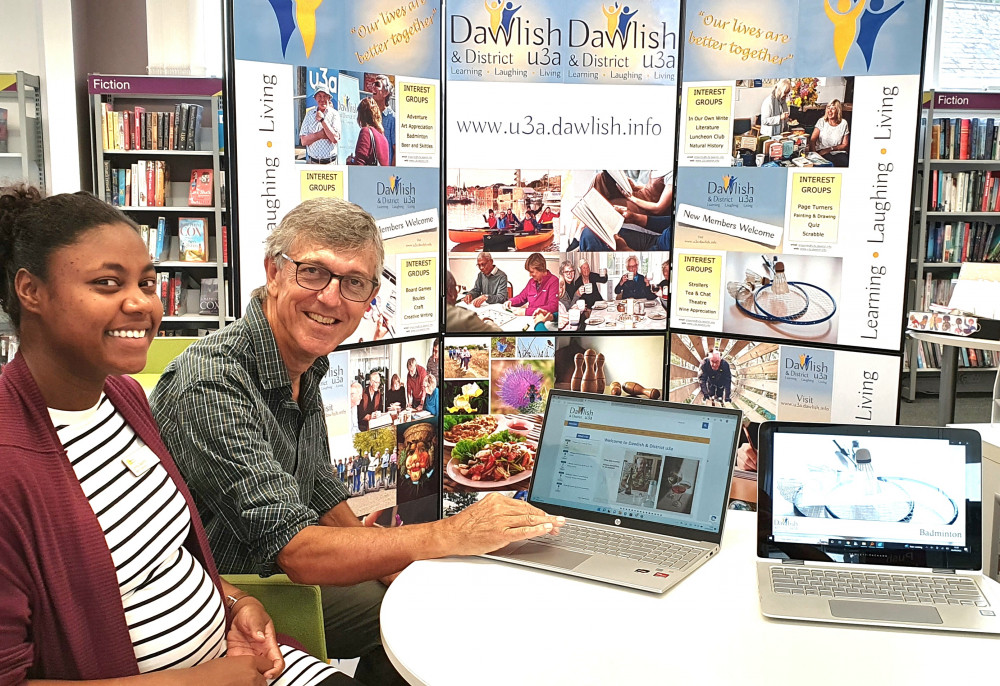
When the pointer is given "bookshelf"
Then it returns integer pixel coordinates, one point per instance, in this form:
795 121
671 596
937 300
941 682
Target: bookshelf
956 218
159 130
22 147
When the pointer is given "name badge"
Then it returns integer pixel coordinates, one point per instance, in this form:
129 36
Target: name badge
141 462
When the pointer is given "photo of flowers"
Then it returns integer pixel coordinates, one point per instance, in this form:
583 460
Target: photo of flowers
468 397
520 386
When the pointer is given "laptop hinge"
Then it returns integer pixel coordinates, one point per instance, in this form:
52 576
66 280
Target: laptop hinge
942 571
792 562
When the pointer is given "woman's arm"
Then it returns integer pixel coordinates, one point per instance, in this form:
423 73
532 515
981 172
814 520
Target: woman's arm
521 297
814 138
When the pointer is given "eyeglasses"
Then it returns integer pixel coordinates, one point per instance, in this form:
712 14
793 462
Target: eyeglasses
312 277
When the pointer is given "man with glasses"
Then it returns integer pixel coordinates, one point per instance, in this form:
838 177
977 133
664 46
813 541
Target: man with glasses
491 283
242 414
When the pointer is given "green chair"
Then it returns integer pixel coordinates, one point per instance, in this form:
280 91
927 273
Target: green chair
296 609
162 351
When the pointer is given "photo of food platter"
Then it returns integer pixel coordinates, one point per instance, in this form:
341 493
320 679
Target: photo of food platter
494 462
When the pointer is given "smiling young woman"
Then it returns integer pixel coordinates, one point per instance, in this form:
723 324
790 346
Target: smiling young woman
104 563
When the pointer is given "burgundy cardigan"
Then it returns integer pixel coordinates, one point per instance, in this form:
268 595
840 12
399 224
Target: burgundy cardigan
61 614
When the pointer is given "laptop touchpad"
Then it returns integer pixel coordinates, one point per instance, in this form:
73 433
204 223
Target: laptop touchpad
885 612
548 555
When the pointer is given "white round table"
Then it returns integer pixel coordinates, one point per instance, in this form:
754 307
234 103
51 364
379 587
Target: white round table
462 621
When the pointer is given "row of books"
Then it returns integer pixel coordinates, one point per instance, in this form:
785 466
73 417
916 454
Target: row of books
138 129
929 357
182 294
963 242
937 291
145 183
192 240
967 191
964 139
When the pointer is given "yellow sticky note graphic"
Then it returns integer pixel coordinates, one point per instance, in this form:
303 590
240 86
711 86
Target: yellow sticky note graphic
708 126
699 286
814 216
321 184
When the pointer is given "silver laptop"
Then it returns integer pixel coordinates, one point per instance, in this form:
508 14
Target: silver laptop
875 525
643 486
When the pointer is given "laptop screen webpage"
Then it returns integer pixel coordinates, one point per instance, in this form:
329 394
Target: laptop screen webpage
874 498
651 462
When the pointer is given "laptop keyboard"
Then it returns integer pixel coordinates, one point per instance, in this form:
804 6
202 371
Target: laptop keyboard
593 540
921 589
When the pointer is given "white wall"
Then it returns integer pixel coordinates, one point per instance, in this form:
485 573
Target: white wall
185 37
37 38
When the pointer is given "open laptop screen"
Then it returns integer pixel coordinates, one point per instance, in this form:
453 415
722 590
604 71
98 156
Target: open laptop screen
890 495
651 462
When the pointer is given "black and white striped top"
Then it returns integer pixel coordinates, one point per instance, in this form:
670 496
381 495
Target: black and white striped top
175 614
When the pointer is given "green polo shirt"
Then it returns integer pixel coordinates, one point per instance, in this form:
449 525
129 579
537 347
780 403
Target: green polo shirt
257 462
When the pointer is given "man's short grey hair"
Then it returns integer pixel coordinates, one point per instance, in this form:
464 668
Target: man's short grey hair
485 255
332 223
386 83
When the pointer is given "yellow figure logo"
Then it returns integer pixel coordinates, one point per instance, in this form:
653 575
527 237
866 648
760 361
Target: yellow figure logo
845 26
496 13
802 360
612 13
727 182
392 182
305 16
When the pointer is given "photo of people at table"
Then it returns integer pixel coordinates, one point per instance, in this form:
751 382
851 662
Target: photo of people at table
615 291
344 117
507 291
576 291
803 121
503 209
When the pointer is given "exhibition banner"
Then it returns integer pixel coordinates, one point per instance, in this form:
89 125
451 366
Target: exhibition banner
795 166
787 382
560 141
495 389
341 100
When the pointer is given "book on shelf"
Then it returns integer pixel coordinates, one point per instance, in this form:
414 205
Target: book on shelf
200 190
194 126
193 234
183 126
600 216
208 302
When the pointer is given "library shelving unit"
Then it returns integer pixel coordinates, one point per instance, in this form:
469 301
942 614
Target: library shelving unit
160 95
930 255
23 156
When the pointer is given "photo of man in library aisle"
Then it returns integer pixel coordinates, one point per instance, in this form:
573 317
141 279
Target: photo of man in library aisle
242 412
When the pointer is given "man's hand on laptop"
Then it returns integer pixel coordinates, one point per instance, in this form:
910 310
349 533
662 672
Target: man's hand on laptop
494 522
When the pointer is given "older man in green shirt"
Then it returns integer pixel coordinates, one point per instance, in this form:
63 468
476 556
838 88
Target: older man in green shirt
241 412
